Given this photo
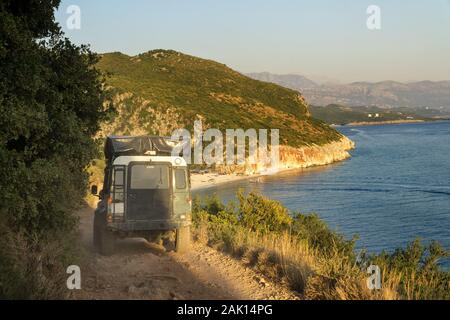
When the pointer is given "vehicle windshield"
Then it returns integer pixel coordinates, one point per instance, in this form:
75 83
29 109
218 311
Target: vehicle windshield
149 176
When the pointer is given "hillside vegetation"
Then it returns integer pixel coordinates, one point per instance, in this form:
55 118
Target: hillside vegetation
162 90
315 261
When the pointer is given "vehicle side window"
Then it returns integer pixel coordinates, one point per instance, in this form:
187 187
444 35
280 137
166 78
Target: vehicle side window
118 177
180 178
118 185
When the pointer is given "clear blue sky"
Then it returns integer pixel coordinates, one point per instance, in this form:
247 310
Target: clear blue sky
316 37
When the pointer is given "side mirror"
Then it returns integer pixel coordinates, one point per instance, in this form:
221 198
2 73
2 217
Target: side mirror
94 190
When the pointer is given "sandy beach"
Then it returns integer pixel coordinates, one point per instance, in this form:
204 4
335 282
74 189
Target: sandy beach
212 179
208 180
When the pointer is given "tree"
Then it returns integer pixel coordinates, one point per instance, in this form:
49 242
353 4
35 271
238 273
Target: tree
51 103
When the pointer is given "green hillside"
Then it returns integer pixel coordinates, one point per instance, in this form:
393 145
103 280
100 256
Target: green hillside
162 90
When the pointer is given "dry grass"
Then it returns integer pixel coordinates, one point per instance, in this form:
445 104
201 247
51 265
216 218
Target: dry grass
284 258
33 268
319 273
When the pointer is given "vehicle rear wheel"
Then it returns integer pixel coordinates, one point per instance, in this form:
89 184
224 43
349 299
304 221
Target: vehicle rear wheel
107 242
183 239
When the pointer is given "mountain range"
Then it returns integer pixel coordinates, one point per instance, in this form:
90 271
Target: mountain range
385 94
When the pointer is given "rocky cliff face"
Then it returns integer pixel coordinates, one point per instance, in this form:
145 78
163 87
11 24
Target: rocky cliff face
298 158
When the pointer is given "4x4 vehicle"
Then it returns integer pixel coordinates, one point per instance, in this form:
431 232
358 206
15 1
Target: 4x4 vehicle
146 193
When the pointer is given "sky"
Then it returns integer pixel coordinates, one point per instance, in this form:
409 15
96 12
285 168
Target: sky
321 39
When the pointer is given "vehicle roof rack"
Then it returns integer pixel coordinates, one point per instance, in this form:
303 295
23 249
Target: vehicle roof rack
116 146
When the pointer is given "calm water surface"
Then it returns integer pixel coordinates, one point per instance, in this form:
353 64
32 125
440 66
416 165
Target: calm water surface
396 186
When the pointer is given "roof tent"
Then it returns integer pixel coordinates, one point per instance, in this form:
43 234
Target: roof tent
116 146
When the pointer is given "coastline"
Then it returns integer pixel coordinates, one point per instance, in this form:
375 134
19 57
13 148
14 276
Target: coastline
378 123
291 159
210 180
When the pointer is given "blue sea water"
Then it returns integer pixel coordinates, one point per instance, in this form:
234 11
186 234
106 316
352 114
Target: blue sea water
395 188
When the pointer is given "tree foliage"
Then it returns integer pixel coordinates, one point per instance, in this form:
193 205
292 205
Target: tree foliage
51 103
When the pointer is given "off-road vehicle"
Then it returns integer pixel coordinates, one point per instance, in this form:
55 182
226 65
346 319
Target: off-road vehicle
146 193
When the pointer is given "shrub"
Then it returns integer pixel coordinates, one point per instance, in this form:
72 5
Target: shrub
318 234
414 271
316 261
262 215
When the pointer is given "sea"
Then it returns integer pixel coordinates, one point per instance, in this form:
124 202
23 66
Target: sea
395 187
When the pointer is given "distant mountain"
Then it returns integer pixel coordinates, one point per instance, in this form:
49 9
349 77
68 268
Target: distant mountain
162 90
291 81
382 94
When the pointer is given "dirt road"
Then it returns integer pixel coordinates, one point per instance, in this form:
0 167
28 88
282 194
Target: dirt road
140 270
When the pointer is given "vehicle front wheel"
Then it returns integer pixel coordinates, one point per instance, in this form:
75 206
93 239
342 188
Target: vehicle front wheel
183 239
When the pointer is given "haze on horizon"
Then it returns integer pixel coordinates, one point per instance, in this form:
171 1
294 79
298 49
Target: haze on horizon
326 38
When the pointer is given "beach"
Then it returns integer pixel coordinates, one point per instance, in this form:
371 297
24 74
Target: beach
210 180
